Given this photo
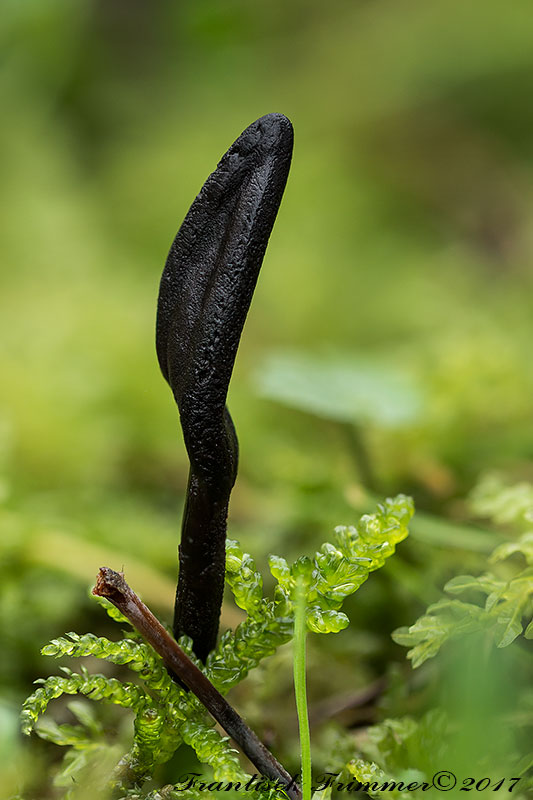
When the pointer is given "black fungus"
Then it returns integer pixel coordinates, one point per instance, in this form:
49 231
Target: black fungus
205 292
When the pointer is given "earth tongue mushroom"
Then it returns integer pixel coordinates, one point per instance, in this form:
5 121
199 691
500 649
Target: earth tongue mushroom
204 296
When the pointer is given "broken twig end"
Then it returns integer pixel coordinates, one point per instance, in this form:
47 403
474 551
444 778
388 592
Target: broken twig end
110 584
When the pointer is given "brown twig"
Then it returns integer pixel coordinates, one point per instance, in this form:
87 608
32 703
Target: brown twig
111 584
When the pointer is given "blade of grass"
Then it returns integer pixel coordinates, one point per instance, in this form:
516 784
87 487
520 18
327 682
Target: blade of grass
300 636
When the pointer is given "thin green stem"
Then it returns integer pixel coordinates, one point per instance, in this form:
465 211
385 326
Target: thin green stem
300 635
359 452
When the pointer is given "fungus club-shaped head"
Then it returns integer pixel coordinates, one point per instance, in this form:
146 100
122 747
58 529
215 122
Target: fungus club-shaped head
208 282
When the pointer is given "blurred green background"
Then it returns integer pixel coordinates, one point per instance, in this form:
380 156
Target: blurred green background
388 347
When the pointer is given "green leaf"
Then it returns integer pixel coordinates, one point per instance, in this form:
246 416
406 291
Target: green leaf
84 713
344 389
504 504
96 687
243 579
524 546
512 627
336 571
326 621
444 620
464 583
73 735
341 568
110 609
506 603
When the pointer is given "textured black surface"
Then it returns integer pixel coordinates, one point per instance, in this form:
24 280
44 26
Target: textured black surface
204 296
